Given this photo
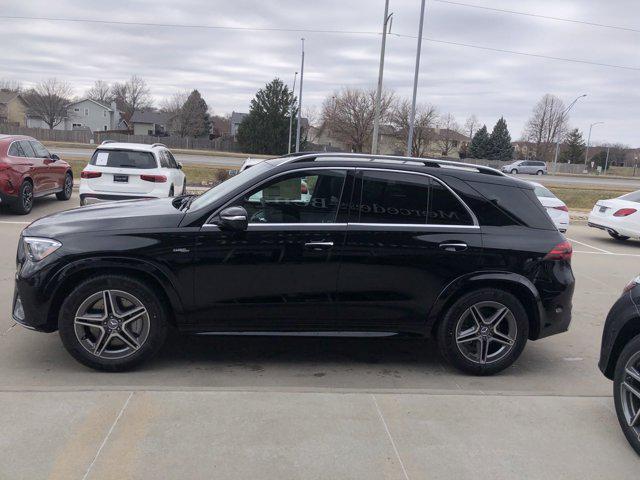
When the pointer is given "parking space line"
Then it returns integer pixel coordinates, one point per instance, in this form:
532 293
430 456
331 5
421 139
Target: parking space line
15 223
589 246
104 442
393 443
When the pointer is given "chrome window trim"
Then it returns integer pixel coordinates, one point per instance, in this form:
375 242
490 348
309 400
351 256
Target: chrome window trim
290 226
346 169
418 226
473 215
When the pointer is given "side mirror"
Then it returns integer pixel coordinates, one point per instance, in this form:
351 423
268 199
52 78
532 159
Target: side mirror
179 165
233 218
54 157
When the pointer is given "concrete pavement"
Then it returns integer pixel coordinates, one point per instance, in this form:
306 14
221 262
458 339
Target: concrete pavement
222 407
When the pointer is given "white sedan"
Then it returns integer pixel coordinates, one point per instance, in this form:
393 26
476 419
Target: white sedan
620 216
555 207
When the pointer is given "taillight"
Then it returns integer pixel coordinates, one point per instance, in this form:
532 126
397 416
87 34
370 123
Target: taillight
561 251
562 207
624 212
90 174
153 178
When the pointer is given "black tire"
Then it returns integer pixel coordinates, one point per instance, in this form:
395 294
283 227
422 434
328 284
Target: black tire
171 192
153 321
67 189
449 334
631 350
620 238
24 202
539 172
514 172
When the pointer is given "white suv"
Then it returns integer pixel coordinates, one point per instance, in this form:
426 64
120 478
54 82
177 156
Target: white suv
120 171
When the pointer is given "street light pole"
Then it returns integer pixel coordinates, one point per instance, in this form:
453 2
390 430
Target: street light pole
376 119
565 112
300 101
293 91
586 153
415 82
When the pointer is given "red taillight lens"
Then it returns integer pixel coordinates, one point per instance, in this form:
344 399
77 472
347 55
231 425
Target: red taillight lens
624 212
89 174
153 178
562 251
562 207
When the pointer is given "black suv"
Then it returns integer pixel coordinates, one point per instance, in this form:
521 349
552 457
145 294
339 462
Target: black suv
310 243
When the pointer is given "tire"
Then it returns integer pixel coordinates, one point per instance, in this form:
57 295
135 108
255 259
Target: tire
461 337
147 328
620 238
628 403
514 172
539 172
171 192
24 202
67 189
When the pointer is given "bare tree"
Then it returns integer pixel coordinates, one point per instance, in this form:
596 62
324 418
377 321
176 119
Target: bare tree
449 131
424 132
132 96
49 100
348 115
471 125
173 105
100 92
10 85
546 124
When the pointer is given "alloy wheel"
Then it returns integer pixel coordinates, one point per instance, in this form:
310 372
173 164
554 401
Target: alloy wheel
27 197
486 332
68 185
112 324
630 393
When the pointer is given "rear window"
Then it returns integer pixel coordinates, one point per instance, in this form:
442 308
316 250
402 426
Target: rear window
123 159
631 197
543 192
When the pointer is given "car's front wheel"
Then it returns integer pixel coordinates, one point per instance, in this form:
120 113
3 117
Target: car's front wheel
626 392
112 323
484 331
539 172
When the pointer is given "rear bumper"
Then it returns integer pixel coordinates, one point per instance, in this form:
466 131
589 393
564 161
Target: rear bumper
610 227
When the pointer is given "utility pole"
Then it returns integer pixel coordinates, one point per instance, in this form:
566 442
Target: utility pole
415 81
376 118
293 91
606 162
565 112
586 153
300 101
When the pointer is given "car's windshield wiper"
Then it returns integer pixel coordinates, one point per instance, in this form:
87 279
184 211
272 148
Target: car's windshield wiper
185 202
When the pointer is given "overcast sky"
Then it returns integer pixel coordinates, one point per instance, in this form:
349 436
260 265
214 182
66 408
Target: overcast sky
229 66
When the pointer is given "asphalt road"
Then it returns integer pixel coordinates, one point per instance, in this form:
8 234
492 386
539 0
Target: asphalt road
601 181
314 408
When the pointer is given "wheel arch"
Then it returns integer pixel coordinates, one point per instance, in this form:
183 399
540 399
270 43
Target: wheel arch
66 280
520 287
628 332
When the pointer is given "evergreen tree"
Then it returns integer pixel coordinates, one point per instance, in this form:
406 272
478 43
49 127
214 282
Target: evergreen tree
480 144
500 147
266 128
194 116
574 152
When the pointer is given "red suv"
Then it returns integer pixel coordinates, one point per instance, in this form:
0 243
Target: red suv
28 171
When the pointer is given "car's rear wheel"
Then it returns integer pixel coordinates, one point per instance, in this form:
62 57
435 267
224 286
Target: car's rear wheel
112 323
617 236
24 202
184 187
171 192
539 172
626 392
514 171
484 331
67 188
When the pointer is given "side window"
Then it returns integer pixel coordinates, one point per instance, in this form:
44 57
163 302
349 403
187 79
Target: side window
445 208
41 152
164 159
27 149
399 198
301 197
172 160
15 150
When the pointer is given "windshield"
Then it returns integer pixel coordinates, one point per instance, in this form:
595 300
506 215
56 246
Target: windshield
227 186
543 192
123 159
631 197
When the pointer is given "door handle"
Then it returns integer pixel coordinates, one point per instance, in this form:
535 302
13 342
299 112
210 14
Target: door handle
319 245
453 246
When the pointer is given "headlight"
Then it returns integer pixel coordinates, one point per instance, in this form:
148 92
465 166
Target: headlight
38 248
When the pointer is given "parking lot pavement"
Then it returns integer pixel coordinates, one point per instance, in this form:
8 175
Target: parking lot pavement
317 408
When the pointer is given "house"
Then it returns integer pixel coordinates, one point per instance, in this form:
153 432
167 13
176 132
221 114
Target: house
85 114
13 108
235 121
150 122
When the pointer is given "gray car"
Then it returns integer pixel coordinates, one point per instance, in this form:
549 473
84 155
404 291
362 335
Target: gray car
533 167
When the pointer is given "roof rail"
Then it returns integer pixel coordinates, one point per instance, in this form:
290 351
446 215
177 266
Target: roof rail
104 142
158 145
428 162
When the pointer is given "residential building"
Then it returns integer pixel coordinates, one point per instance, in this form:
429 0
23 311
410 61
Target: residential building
13 109
84 114
150 122
235 121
